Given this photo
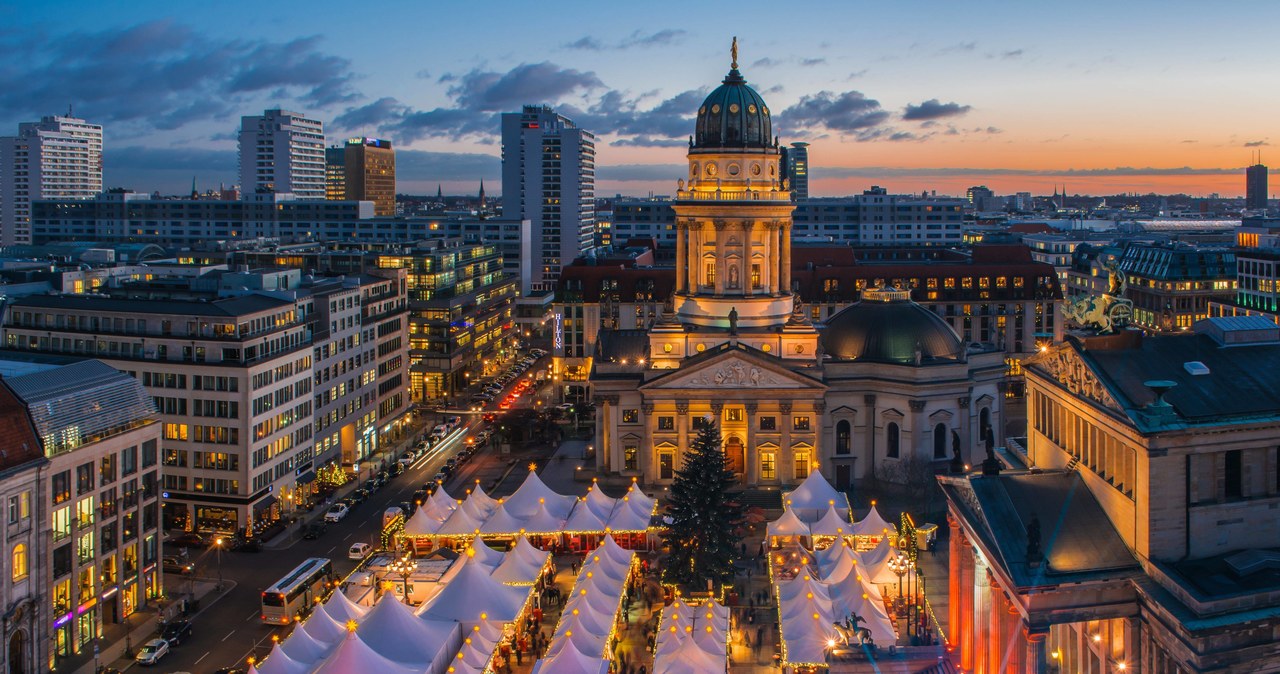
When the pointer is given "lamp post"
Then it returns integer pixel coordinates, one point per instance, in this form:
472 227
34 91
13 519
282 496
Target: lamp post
898 565
404 567
217 542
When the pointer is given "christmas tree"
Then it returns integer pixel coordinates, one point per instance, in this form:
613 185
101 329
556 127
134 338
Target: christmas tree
702 518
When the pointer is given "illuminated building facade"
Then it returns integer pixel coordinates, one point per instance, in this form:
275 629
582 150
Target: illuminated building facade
1141 539
887 389
55 158
23 540
282 152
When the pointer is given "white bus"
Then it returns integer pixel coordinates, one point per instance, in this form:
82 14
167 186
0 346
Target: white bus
296 592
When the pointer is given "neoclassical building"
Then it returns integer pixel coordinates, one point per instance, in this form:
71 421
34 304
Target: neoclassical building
885 388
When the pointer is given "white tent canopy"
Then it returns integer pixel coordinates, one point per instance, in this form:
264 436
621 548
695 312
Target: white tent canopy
473 592
532 493
391 629
354 656
873 525
279 662
323 627
832 523
340 607
811 499
788 525
303 647
522 564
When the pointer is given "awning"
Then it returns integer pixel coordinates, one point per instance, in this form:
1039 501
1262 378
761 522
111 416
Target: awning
264 504
307 477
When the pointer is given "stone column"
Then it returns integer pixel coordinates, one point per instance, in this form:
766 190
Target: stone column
1013 633
966 430
995 641
1132 644
682 275
819 425
602 431
786 258
611 462
722 268
694 261
752 457
981 615
916 444
965 633
869 400
953 580
644 453
786 463
772 267
1037 650
747 288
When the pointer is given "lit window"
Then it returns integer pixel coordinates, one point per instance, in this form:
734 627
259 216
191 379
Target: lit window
18 565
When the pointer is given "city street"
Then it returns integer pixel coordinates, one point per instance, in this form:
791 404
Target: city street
227 631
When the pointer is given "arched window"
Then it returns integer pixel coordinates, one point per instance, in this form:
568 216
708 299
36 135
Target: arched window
891 440
802 464
842 437
18 564
940 441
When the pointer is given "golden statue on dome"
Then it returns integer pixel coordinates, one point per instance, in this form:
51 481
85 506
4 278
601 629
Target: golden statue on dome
733 52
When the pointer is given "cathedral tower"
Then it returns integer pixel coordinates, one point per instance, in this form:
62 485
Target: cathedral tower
733 217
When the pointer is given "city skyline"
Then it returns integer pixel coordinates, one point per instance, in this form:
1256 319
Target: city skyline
932 97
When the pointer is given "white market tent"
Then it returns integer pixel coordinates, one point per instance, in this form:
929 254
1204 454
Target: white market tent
322 627
806 622
580 641
569 660
592 512
302 647
279 662
482 554
471 593
787 526
634 512
692 639
477 650
876 563
833 523
391 629
814 495
532 493
340 607
687 657
354 656
873 525
522 564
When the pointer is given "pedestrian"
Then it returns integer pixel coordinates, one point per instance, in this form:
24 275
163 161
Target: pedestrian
759 638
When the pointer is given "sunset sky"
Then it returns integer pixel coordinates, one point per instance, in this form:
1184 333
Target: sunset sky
1020 96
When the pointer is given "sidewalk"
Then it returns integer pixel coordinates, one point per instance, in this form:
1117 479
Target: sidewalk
144 626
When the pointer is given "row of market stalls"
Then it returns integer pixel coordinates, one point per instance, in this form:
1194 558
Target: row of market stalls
468 615
830 574
534 511
692 638
584 639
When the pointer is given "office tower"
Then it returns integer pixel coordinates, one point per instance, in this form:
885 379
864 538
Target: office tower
370 167
282 151
335 172
548 178
55 158
977 193
1255 179
795 164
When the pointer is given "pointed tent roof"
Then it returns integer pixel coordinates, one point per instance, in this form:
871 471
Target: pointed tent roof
875 563
618 554
303 647
600 502
815 493
788 525
341 608
422 523
634 512
545 519
591 514
832 523
439 504
569 660
826 557
392 629
480 552
502 521
850 597
687 657
473 592
640 499
354 656
463 522
522 564
479 503
585 629
323 628
873 525
279 662
532 493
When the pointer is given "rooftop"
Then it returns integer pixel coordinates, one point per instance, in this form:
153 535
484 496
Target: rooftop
82 402
227 308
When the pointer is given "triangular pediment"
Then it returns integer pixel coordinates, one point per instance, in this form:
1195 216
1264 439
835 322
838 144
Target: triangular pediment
735 370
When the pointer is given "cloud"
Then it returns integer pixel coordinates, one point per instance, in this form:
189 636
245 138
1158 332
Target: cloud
813 62
1012 54
766 62
164 75
945 171
1256 143
420 165
933 109
666 36
526 83
850 111
640 172
958 47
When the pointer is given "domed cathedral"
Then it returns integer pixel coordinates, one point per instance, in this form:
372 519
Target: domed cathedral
885 389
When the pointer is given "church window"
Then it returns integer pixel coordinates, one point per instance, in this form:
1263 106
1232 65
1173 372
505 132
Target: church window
666 423
630 457
768 465
891 440
630 416
710 273
843 435
940 441
768 423
733 414
802 464
800 424
755 276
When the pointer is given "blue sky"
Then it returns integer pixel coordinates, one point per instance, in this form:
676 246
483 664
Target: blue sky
1104 97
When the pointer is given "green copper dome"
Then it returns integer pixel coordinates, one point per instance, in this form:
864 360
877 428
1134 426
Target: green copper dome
733 116
887 327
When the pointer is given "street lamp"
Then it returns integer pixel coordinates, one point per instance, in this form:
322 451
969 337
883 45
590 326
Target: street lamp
217 542
898 565
404 567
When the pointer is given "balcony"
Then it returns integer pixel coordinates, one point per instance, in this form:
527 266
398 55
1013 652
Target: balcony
772 196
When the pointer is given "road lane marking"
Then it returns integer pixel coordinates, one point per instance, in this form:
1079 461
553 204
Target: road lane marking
229 635
203 657
253 615
349 537
330 550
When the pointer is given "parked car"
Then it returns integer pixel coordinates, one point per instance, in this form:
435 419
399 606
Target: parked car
314 530
396 469
188 539
175 632
151 652
358 551
336 512
440 477
175 564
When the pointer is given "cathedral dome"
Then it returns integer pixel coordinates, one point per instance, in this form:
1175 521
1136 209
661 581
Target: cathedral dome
733 116
887 327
